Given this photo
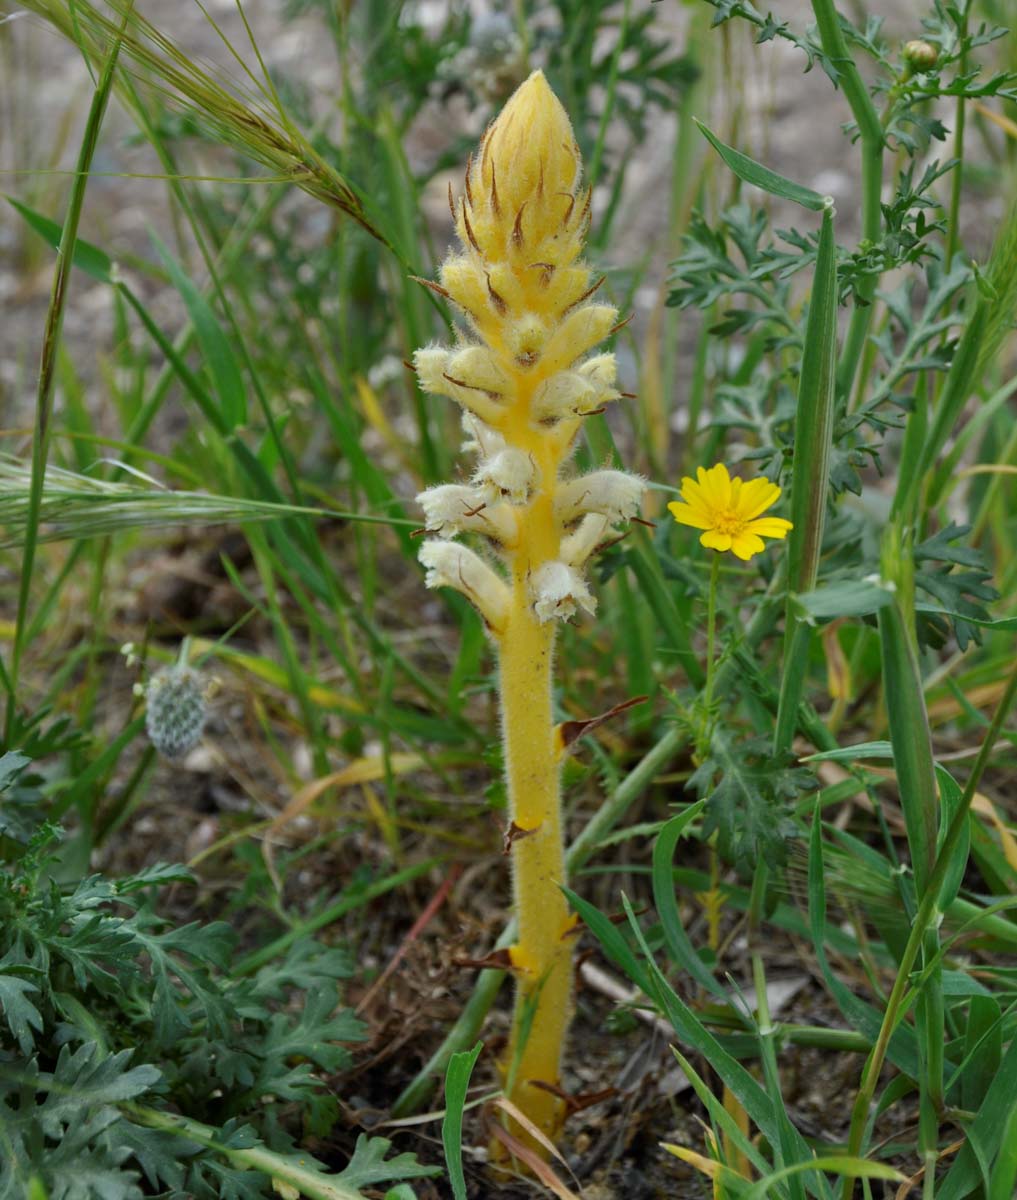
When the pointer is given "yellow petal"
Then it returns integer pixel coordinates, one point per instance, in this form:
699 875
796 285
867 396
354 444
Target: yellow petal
692 493
747 544
717 486
757 496
771 527
686 514
704 485
713 539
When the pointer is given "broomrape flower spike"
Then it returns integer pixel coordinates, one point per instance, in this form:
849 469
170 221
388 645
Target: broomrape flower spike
525 378
729 511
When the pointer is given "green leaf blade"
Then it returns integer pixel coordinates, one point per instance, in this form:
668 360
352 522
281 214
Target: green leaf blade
749 171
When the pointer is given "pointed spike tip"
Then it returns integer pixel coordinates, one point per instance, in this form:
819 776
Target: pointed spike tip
530 149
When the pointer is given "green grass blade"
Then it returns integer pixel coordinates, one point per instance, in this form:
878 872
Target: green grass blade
86 257
215 346
986 1131
720 1116
983 1048
1003 1183
679 946
813 440
457 1081
50 347
840 1164
905 707
749 171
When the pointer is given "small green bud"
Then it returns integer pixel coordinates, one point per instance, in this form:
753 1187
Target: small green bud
176 712
920 56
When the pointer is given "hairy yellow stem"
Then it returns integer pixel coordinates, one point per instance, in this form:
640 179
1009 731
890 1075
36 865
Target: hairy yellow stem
541 956
542 953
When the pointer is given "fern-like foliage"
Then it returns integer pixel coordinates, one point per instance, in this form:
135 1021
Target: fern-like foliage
109 1012
749 799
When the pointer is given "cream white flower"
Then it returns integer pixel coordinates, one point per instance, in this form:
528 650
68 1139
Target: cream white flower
592 531
510 474
613 494
480 439
567 394
452 508
601 370
477 368
450 564
432 366
556 589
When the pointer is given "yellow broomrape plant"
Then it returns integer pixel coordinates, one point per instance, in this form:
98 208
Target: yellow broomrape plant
524 376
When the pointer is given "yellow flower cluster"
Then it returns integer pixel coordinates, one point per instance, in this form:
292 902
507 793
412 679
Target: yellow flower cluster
522 376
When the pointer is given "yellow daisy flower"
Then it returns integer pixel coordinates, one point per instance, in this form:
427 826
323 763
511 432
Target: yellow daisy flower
728 510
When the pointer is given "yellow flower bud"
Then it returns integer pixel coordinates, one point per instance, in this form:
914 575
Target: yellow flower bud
521 185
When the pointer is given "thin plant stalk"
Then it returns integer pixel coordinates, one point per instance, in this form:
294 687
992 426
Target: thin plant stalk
711 645
871 140
813 441
960 113
916 785
50 349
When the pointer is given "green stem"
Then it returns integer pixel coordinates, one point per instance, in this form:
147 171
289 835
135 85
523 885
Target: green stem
703 743
922 922
871 138
50 348
810 478
957 182
785 1151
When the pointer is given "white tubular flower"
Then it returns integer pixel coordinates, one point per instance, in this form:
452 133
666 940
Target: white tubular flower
451 508
577 547
556 589
566 394
580 331
480 439
451 565
508 475
601 371
476 367
613 494
432 367
430 364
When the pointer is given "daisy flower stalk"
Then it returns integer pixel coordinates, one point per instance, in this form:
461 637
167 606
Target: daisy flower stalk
729 512
524 374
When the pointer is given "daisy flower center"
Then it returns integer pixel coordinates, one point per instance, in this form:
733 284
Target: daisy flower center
726 520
